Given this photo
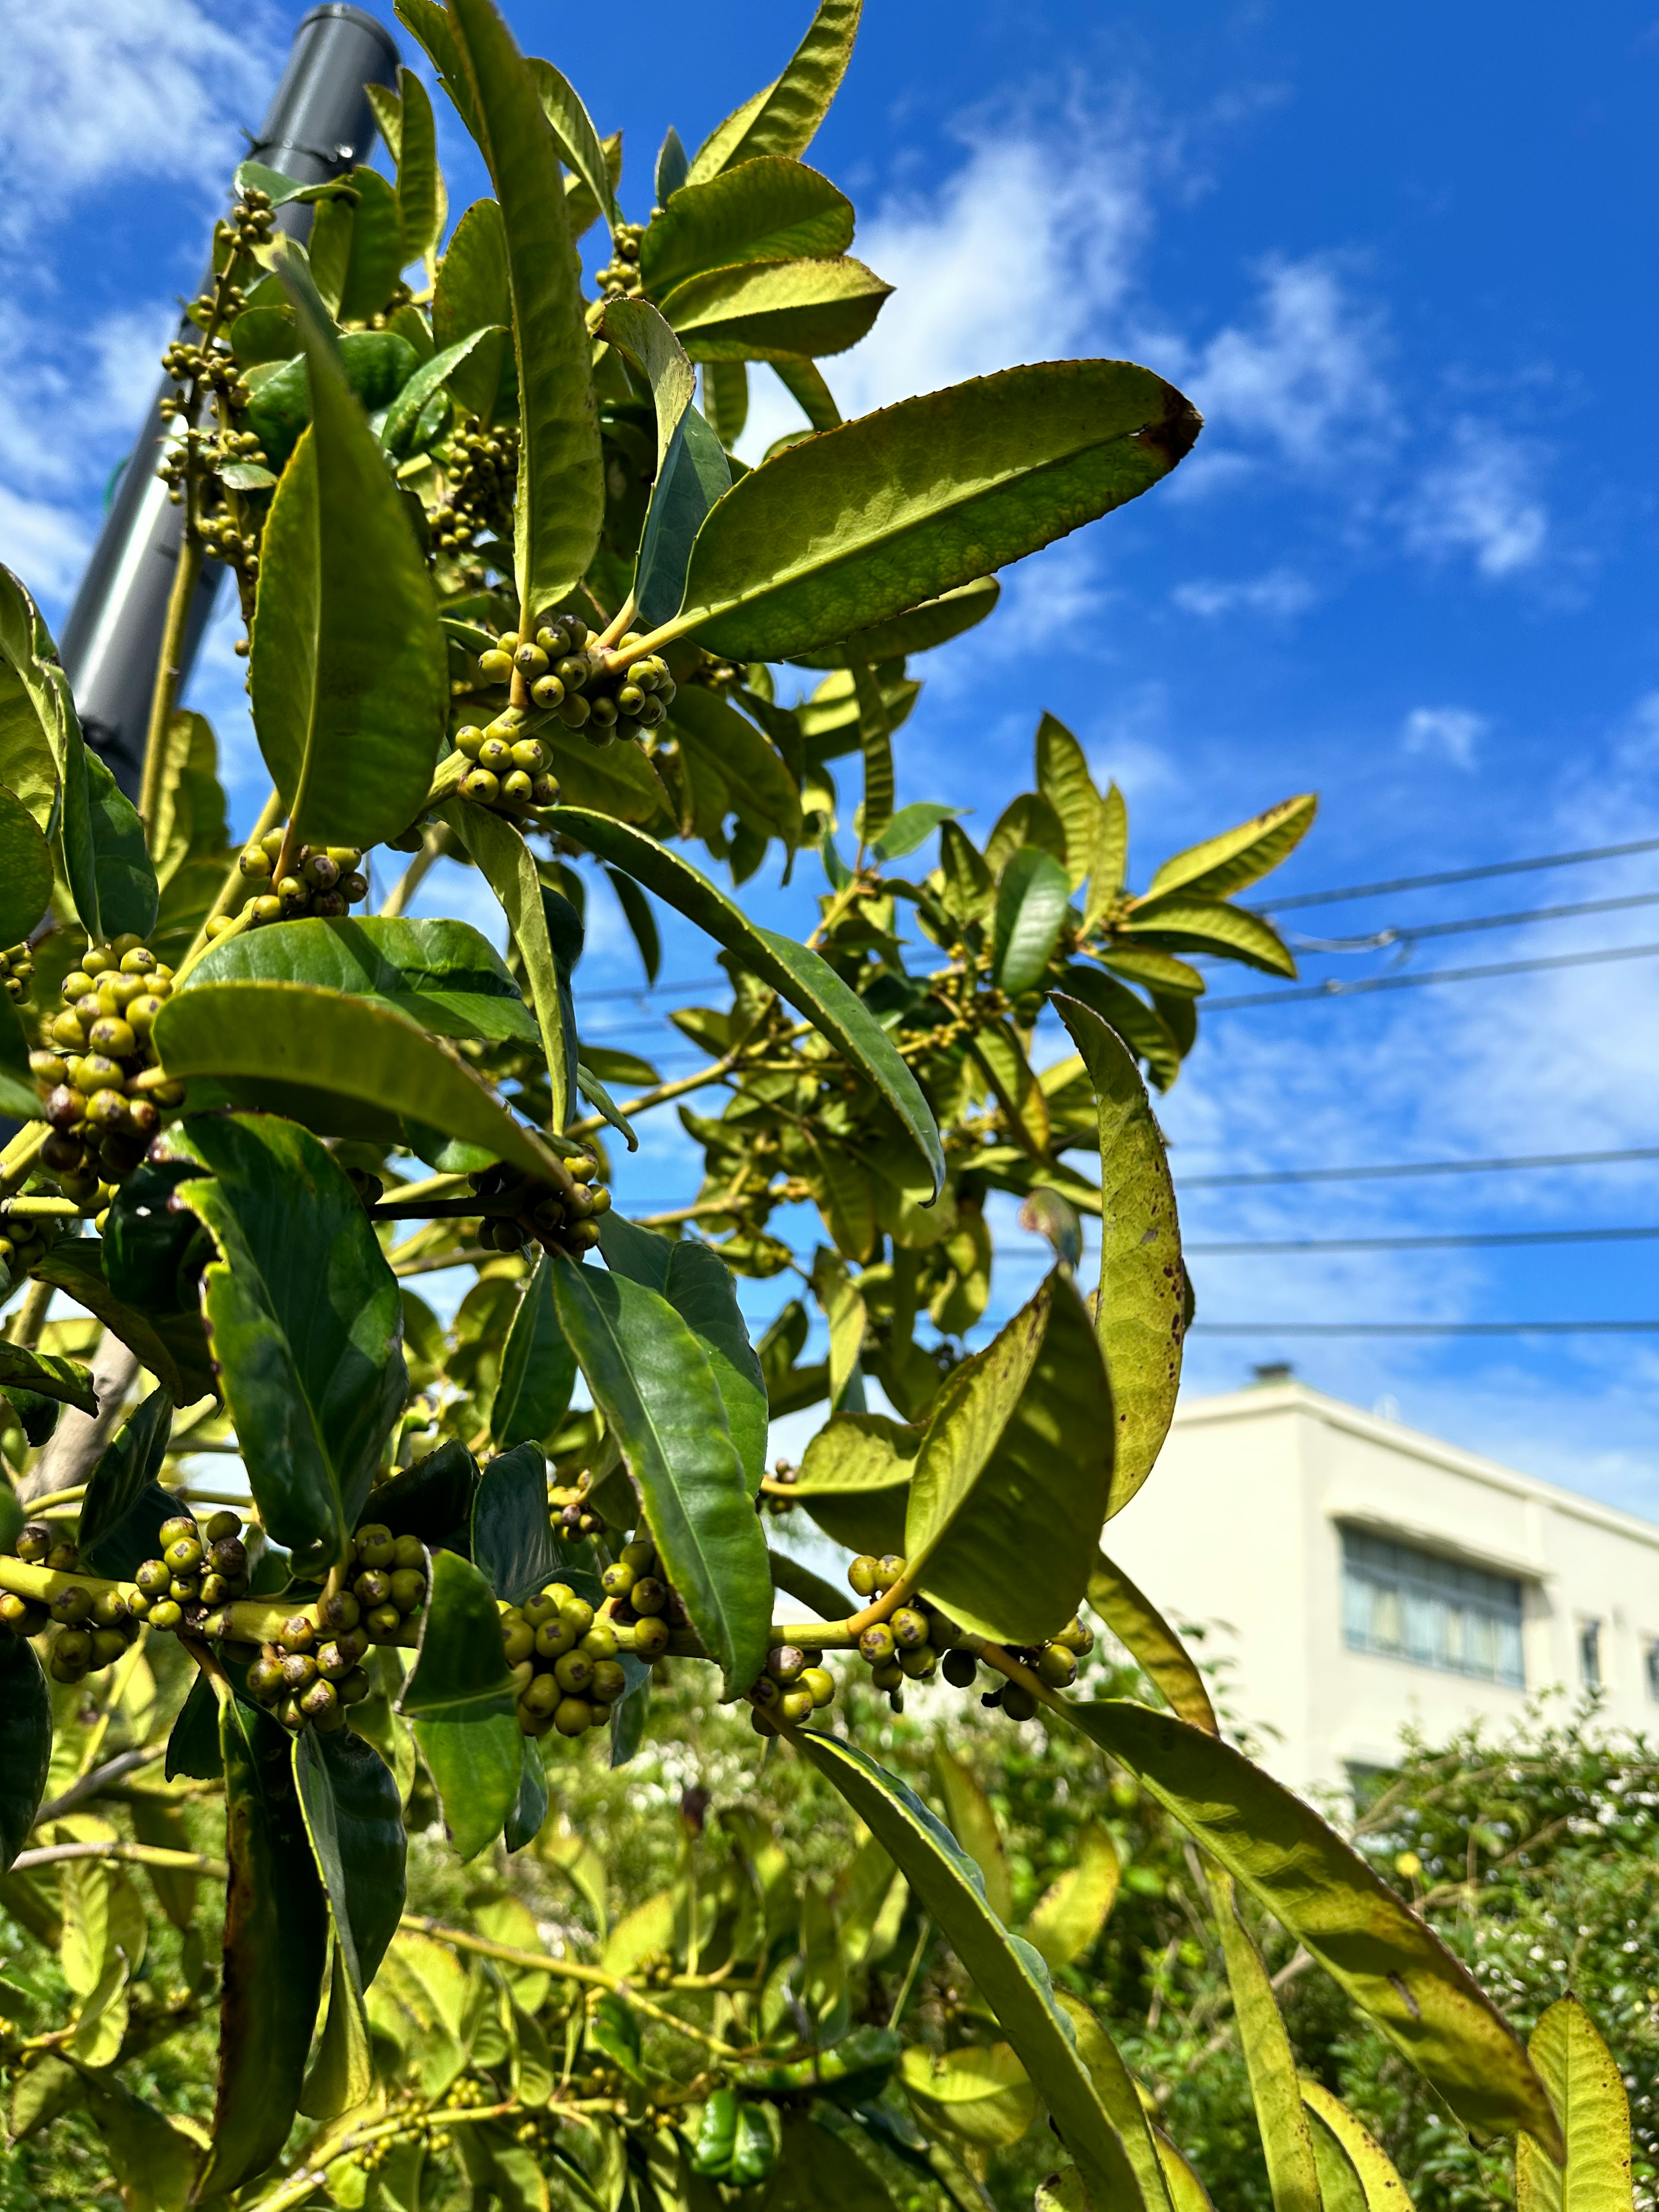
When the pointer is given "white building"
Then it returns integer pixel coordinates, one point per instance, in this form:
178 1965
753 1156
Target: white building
1360 1575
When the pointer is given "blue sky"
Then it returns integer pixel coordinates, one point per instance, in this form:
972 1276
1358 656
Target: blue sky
1400 262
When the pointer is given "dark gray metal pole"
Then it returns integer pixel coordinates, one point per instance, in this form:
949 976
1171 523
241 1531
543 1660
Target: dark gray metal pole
319 124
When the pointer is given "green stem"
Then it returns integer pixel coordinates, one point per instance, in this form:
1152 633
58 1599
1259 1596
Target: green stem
269 815
30 1317
907 1985
169 669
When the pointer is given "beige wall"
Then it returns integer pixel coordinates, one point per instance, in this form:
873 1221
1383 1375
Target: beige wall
1239 1529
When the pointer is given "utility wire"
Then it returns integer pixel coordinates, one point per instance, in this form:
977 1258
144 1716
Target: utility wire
1334 987
1411 933
1255 1178
1457 876
1432 1243
1425 1328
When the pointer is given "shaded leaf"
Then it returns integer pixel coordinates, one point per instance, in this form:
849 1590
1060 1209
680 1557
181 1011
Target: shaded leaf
974 1826
124 1506
513 1544
772 208
354 1817
918 629
172 1346
1378 2186
1070 1913
25 1744
539 1370
508 867
854 1480
1158 1651
1184 921
65 1381
24 869
1287 2141
459 1696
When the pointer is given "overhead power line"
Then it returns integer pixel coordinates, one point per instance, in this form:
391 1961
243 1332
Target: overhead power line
1458 876
1425 1328
1447 1243
1413 933
1257 1178
1334 987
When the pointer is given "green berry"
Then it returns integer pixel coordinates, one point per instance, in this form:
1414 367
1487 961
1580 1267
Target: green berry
572 1716
960 1669
1056 1666
878 1645
1018 1703
822 1684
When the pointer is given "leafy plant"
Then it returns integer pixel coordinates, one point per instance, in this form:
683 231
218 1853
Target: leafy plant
512 602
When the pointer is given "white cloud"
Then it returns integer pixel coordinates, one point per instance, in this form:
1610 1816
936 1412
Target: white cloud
1279 593
40 542
1481 499
1454 732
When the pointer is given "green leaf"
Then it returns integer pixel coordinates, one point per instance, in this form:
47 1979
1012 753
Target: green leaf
274 1945
1032 899
980 2092
1112 2146
865 521
1158 1651
700 1288
35 707
431 1499
910 827
1583 2077
876 744
974 1825
854 1480
47 1377
508 867
539 1372
431 23
377 364
459 1697
304 1318
784 116
1376 2185
284 191
158 2161
445 975
512 1545
172 1346
561 495
20 1095
762 790
422 203
1140 1027
775 310
355 1819
794 972
398 432
1286 2140
970 887
128 898
24 869
654 1384
472 295
1154 971
804 381
124 1506
1015 1465
529 1814
376 255
1221 866
1329 1899
636 912
1064 780
1068 1916
916 630
574 135
293 1048
1142 1307
25 1744
350 674
769 210
1183 922
692 470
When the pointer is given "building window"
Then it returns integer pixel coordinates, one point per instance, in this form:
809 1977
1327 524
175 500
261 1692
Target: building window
1408 1604
1590 1653
1652 1661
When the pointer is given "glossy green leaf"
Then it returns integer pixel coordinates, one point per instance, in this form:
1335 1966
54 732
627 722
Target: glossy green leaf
349 675
128 895
459 1696
771 209
1153 970
1070 1913
431 24
1223 865
355 1819
174 1346
1112 2149
784 116
1158 1651
692 470
574 135
1286 2140
508 867
158 2161
275 1943
376 365
863 522
1379 2187
1329 1899
910 827
47 1377
1016 1464
762 788
538 1370
561 495
293 1048
1064 780
642 921
793 972
854 1480
1032 899
305 1319
654 1384
1140 1027
446 975
529 1814
472 295
1185 922
25 1744
512 1543
124 1506
431 1499
422 203
775 310
702 1291
34 707
935 622
376 255
1142 1307
398 432
1585 2087
25 870
20 1095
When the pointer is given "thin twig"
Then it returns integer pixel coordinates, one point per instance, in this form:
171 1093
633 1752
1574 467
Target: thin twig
100 1778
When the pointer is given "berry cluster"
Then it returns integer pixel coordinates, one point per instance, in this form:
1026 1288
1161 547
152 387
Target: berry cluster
620 278
565 1670
509 771
569 1222
567 675
796 1685
16 966
313 1669
92 1632
906 1647
483 473
642 1598
106 1091
326 880
1053 1663
25 1240
199 1568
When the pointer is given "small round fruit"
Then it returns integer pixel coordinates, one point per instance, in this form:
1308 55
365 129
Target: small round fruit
222 1525
650 1637
785 1663
166 1613
861 1575
1056 1666
608 1683
888 1568
107 1645
822 1684
1019 1703
409 1552
960 1669
573 1672
601 1641
648 1595
383 1623
518 1640
909 1627
373 1588
919 1661
299 1633
878 1643
572 1716
184 1554
618 1579
796 1707
890 1675
408 1588
72 1605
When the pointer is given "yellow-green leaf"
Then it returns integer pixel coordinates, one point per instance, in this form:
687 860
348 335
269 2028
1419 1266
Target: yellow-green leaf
1064 780
1142 1630
974 1826
783 116
1286 2143
1073 1909
771 209
1185 921
775 310
1583 2077
854 1480
1225 864
980 2091
1380 2187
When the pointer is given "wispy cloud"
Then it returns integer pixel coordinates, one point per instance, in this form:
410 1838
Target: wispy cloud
1278 594
1453 732
1482 501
